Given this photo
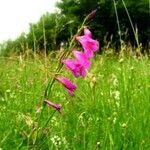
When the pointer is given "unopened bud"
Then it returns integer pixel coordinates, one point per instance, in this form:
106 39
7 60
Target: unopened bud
92 14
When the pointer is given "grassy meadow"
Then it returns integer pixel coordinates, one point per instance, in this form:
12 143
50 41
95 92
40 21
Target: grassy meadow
110 109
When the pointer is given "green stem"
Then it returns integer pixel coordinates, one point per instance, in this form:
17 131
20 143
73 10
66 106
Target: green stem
41 129
131 23
49 119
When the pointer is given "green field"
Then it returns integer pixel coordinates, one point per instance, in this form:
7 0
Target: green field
110 110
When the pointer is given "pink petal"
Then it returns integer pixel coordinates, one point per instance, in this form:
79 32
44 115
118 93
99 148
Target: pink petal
89 53
82 59
71 65
87 32
89 45
80 70
83 71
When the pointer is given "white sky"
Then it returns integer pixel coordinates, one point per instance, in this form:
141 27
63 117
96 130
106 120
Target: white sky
15 15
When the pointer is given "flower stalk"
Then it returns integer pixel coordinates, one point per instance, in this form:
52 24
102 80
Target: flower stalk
78 66
65 54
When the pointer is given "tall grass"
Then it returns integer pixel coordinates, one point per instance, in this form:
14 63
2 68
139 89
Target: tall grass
118 24
110 109
134 29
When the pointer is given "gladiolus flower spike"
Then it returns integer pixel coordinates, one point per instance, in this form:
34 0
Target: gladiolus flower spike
81 63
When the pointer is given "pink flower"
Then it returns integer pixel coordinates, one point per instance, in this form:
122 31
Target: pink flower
82 59
55 106
78 66
67 84
71 65
89 45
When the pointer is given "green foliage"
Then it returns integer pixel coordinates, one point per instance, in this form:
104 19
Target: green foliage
48 30
104 24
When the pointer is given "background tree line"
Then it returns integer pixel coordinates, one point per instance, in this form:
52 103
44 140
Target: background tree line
116 21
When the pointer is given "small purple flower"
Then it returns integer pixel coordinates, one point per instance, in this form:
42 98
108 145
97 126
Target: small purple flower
67 84
53 105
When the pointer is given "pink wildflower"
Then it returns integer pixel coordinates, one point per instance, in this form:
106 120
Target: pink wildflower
89 45
55 106
78 66
67 84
